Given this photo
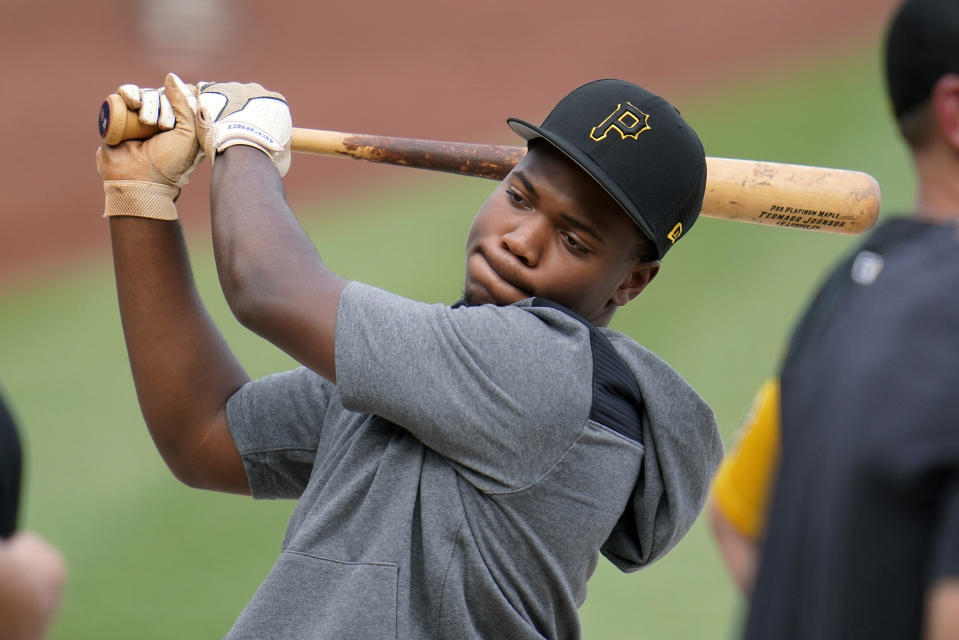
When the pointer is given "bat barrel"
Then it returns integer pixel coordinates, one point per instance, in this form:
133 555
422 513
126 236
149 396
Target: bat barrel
791 195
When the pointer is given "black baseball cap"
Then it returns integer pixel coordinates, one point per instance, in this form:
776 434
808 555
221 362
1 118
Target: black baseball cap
922 45
637 147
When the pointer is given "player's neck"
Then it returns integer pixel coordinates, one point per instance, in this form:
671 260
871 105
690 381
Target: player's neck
937 196
935 203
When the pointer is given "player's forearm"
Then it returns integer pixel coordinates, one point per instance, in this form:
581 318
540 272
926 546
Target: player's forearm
740 553
182 368
942 610
32 574
271 275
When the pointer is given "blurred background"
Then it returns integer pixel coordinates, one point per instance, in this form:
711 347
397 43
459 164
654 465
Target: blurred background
779 80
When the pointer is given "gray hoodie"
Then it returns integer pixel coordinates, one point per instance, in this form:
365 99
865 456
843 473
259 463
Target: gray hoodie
465 472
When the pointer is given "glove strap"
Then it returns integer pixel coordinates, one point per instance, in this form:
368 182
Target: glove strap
140 199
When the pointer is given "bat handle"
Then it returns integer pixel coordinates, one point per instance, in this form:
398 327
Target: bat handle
117 123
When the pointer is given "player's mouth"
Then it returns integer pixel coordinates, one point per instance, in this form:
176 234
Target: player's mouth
490 281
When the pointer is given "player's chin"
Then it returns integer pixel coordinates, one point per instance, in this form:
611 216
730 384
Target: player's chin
476 293
485 286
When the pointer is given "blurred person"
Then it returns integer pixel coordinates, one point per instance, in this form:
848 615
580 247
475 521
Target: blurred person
837 511
32 571
190 34
740 492
11 463
458 469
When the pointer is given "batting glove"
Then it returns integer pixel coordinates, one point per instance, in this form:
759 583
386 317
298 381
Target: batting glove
152 106
232 113
143 177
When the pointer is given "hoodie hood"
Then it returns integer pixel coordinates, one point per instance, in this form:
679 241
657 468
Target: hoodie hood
683 448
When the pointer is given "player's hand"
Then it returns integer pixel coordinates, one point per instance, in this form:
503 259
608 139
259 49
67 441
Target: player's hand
231 113
143 177
152 106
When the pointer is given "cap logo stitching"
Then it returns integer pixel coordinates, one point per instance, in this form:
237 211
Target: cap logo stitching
626 120
675 233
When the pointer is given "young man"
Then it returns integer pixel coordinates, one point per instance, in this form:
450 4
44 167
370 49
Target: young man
856 448
457 469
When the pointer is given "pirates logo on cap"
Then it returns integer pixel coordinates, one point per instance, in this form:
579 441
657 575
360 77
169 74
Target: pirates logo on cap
626 120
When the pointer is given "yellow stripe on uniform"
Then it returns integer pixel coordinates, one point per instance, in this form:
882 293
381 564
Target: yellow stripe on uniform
742 484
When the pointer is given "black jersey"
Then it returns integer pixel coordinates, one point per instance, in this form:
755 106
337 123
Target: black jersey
865 513
10 463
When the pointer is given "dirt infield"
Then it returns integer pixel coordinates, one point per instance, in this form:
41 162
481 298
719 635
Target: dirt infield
427 69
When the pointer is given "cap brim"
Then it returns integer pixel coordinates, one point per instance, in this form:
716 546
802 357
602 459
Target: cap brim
528 132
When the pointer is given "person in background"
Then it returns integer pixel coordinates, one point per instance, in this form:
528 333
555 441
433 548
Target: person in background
838 510
32 571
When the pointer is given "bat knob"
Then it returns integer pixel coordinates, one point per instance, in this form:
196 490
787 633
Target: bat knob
103 121
117 123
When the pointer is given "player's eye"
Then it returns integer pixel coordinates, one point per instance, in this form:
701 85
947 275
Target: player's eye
516 197
574 244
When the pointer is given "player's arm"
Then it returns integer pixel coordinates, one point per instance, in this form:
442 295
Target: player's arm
942 610
742 487
32 574
740 552
942 597
271 275
182 368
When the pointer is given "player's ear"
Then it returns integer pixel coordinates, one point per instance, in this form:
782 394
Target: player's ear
945 102
635 281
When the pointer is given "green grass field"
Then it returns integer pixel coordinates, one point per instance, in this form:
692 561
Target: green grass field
150 558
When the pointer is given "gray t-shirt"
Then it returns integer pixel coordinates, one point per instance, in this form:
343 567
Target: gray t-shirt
455 483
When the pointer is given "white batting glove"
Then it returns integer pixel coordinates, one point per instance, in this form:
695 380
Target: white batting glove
153 106
232 113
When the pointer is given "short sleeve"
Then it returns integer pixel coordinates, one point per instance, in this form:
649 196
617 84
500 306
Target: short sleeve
500 391
742 485
276 423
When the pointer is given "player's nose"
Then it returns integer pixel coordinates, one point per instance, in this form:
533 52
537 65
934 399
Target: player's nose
526 239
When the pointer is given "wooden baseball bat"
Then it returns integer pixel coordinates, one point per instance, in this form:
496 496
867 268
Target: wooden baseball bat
769 193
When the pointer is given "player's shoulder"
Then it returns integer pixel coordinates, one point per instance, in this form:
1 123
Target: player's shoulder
638 356
915 260
661 384
913 243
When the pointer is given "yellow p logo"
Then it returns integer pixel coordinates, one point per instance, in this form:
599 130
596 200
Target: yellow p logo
675 233
626 120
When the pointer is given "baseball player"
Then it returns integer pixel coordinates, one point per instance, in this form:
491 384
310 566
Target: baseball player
457 469
847 473
32 571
